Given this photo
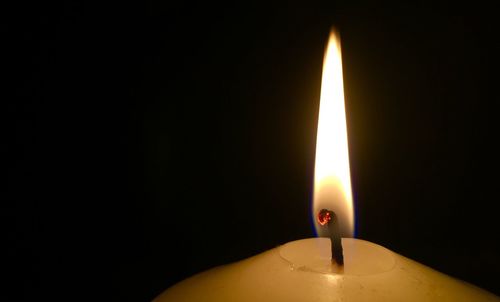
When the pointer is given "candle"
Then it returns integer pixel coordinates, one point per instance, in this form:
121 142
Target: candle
297 271
303 270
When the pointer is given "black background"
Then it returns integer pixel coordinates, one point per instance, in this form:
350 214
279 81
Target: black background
148 142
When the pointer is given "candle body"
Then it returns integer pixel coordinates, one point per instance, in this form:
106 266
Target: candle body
288 273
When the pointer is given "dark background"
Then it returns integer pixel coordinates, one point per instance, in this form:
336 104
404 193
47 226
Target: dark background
148 142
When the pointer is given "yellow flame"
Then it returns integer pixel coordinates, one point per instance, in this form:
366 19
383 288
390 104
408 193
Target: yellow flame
332 179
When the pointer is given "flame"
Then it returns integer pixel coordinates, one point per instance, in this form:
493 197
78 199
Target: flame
332 179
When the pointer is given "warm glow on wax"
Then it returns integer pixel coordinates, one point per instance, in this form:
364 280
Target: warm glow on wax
332 179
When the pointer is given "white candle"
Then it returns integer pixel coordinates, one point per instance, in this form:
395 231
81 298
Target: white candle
302 270
299 271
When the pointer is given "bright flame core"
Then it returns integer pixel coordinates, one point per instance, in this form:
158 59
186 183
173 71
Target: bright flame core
332 178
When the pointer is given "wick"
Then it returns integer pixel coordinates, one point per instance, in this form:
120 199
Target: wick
330 220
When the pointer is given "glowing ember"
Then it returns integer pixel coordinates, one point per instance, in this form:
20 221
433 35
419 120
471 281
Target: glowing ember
324 217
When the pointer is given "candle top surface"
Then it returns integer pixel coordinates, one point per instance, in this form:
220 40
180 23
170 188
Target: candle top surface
361 257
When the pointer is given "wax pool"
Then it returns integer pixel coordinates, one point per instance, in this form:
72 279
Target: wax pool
302 271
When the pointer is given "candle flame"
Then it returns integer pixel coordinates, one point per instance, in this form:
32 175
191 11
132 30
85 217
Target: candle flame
332 179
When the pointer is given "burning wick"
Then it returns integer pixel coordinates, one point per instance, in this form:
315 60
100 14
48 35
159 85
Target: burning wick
329 219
